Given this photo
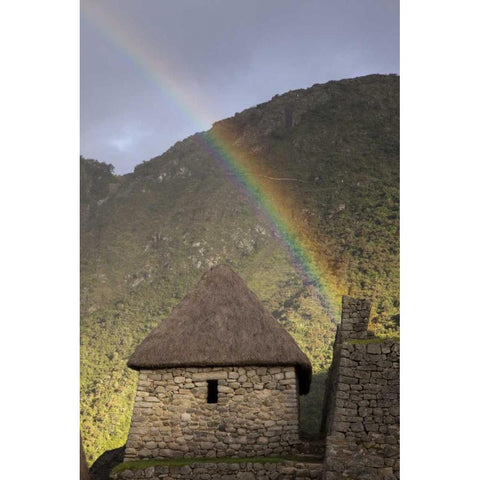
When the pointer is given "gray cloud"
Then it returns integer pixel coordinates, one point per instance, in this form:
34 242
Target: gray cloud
231 54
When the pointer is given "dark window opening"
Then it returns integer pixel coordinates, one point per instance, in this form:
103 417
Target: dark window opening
212 394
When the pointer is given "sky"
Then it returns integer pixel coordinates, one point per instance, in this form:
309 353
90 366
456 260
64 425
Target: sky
155 72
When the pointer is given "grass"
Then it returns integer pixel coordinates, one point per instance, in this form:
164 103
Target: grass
181 462
393 338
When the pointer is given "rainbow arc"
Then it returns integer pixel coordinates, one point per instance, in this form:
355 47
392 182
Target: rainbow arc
263 190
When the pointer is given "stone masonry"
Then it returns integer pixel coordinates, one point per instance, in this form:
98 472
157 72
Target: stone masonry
361 411
285 470
256 413
355 318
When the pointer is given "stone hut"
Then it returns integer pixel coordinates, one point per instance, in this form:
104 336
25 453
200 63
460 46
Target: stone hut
220 377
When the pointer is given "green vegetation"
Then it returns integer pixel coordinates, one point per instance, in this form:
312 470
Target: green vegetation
95 178
181 462
147 237
394 338
310 411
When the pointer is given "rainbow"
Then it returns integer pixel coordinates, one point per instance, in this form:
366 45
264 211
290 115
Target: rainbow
269 198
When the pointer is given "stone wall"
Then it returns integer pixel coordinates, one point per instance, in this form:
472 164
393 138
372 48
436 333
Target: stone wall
355 318
361 416
354 325
226 471
256 413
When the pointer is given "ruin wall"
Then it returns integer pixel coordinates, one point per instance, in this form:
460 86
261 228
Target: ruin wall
362 407
226 471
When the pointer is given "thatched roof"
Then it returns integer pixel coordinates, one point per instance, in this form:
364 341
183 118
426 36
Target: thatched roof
220 323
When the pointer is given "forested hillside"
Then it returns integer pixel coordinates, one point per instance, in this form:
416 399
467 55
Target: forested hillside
329 155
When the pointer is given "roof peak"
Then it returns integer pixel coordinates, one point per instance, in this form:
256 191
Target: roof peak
221 322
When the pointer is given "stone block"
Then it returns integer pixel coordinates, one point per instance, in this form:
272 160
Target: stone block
357 427
340 426
374 461
245 476
347 380
288 381
346 362
222 389
204 376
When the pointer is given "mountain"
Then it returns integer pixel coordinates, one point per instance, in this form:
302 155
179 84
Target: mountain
324 160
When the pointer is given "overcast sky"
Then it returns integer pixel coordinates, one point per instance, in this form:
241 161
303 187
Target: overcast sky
154 72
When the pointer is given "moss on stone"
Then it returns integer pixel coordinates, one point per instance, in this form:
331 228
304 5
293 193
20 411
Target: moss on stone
181 462
392 338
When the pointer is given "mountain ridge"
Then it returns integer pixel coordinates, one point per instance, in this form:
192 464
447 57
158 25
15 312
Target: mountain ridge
148 236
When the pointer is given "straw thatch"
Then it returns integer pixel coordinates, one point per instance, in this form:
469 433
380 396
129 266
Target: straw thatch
221 323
